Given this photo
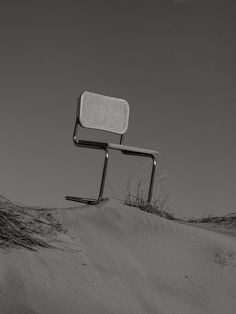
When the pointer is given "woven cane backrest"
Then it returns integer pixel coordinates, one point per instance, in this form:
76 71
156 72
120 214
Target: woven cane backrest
103 113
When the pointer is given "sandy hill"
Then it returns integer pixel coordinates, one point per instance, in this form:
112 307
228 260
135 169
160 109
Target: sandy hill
117 259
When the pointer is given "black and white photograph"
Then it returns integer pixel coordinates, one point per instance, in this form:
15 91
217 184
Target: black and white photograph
118 157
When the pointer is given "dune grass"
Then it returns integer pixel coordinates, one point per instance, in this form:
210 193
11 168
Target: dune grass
157 207
228 220
27 227
136 197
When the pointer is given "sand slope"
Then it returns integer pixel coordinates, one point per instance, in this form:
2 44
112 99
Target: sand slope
117 259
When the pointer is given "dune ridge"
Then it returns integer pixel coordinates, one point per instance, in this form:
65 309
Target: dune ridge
117 259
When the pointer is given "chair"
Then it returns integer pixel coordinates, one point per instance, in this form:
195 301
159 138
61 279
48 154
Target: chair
109 114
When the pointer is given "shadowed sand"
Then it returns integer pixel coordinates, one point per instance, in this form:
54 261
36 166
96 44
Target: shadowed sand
117 259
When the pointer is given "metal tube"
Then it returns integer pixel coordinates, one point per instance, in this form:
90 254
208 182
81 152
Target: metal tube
75 133
104 172
152 178
122 139
153 169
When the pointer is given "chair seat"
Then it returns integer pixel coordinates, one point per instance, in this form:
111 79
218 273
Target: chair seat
123 148
131 149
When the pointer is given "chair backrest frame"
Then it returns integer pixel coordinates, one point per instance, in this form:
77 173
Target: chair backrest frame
95 111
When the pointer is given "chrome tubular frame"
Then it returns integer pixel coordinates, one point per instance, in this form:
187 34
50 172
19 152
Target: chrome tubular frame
104 172
154 163
104 147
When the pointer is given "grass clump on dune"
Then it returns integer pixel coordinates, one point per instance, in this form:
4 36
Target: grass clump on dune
136 197
154 207
228 220
27 227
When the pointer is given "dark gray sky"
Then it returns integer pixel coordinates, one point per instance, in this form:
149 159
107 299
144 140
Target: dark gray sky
175 63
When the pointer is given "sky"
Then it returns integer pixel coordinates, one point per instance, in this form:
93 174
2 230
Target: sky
173 61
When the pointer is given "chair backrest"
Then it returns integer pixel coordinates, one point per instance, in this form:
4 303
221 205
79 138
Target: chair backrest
105 113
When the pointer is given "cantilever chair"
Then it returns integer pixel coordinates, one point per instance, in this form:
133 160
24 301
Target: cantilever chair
109 114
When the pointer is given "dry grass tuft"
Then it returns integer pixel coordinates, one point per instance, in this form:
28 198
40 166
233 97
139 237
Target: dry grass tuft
153 208
228 220
136 197
26 227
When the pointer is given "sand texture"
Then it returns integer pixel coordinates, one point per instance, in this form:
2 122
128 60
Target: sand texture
117 259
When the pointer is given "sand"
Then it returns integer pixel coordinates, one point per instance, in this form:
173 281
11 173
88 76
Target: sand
118 259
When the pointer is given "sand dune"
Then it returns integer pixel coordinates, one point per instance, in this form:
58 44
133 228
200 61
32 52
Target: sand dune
117 259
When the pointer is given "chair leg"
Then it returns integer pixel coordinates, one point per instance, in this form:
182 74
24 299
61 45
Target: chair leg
104 172
100 197
152 178
154 163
